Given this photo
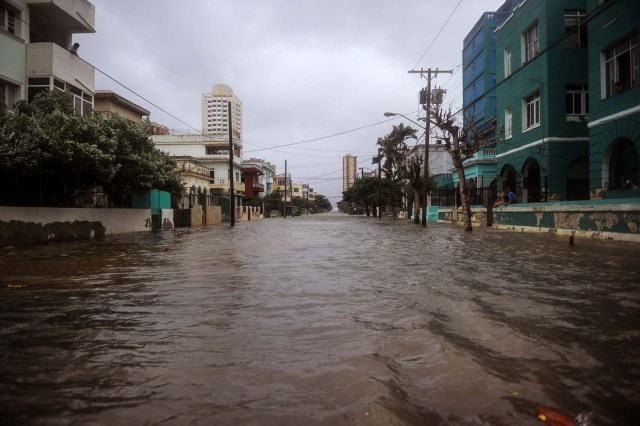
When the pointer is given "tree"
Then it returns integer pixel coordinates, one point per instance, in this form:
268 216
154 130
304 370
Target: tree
362 193
393 150
462 143
50 156
321 204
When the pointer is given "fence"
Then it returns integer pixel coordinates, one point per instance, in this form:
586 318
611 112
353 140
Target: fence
449 196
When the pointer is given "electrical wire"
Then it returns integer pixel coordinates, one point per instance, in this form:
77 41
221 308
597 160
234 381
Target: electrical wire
437 35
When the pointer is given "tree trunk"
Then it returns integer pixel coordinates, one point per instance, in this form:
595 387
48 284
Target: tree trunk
464 199
366 207
417 203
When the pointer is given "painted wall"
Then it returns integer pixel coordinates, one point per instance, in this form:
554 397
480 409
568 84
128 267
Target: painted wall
32 225
597 219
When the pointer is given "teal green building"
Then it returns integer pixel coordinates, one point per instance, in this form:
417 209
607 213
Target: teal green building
614 116
542 101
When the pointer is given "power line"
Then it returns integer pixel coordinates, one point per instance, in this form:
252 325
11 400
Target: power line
323 137
436 37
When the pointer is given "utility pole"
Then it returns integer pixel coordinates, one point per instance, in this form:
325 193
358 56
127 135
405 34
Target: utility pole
427 128
232 195
308 188
379 185
285 189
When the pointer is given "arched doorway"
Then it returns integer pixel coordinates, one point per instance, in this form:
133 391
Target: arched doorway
508 177
531 182
620 163
578 180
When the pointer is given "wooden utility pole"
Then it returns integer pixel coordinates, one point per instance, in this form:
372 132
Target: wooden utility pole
232 195
427 128
285 189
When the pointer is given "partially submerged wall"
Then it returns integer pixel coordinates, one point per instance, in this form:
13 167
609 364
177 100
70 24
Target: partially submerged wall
32 225
617 219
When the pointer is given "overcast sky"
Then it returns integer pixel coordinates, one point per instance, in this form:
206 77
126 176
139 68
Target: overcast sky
305 70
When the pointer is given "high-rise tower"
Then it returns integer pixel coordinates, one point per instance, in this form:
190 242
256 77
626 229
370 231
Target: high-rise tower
215 114
349 171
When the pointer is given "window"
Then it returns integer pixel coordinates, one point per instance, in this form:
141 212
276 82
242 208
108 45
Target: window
9 92
576 28
621 63
508 123
8 19
82 101
531 41
577 99
532 111
507 61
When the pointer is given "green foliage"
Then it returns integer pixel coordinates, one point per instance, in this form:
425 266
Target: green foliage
50 156
320 204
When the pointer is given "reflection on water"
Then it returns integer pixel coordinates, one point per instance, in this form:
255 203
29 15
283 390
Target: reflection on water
320 320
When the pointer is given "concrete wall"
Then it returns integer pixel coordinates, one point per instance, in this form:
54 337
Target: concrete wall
214 215
597 219
32 225
247 213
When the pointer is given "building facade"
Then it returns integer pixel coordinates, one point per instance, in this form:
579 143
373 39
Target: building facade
614 99
479 101
211 153
35 37
542 108
349 171
215 112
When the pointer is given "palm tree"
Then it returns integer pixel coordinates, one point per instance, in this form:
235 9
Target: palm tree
394 150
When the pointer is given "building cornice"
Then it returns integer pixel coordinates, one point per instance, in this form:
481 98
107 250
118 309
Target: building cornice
540 142
613 117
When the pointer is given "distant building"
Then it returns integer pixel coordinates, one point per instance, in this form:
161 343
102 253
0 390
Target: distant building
159 129
349 171
282 185
215 112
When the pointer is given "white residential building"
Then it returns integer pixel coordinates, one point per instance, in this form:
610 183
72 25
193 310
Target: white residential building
215 112
349 171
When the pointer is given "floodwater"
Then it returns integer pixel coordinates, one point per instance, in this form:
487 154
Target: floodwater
320 320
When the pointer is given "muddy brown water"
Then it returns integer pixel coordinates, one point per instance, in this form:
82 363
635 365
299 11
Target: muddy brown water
328 320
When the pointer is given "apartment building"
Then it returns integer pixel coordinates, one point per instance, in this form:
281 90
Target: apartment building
35 38
541 101
215 112
349 171
479 100
211 152
613 168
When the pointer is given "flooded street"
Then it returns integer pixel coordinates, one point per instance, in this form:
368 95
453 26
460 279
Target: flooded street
325 319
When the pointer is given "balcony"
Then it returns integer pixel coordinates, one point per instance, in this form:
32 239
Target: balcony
222 185
52 18
45 59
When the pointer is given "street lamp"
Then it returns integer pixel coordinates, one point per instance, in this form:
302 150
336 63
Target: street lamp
423 204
